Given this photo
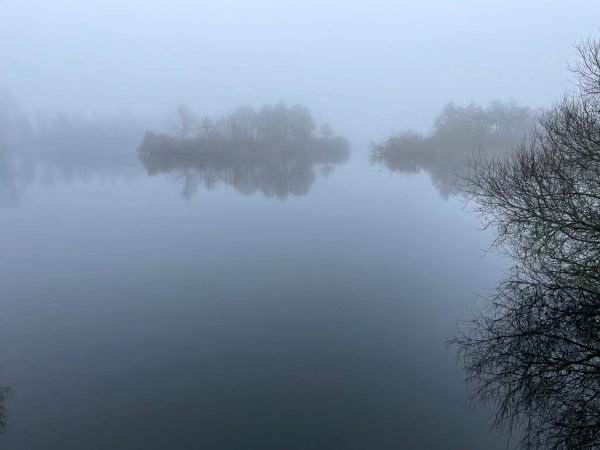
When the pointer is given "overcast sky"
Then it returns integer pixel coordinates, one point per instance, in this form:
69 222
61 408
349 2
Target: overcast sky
371 66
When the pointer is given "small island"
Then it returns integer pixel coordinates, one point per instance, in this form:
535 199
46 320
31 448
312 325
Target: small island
246 131
458 133
272 150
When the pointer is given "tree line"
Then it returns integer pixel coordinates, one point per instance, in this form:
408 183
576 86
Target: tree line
457 133
461 130
60 131
271 122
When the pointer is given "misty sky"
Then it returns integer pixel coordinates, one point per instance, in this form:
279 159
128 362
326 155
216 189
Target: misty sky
367 67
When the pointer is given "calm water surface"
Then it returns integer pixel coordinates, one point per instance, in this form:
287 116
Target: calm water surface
137 316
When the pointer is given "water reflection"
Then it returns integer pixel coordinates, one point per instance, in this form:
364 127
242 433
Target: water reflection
69 167
21 169
273 150
273 173
458 133
63 148
289 331
16 173
4 393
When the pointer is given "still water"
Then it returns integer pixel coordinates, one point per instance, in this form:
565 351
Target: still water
145 312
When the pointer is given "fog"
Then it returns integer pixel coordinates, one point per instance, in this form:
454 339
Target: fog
459 136
232 224
373 67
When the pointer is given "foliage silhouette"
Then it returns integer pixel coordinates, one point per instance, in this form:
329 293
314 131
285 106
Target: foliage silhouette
534 351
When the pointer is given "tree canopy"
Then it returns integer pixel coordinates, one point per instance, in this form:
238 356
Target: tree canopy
270 122
457 132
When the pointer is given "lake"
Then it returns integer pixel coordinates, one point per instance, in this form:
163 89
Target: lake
140 312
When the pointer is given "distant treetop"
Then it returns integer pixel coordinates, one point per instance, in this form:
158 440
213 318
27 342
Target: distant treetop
246 130
457 133
499 119
270 122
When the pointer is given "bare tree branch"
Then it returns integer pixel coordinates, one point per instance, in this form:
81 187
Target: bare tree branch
534 351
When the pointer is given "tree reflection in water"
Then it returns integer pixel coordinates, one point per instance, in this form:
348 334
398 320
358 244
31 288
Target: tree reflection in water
4 393
275 172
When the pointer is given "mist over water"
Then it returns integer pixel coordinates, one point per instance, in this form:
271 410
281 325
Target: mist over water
238 321
254 283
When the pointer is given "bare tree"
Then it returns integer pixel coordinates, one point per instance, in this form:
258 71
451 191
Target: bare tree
209 178
206 127
186 123
534 351
326 131
222 128
242 123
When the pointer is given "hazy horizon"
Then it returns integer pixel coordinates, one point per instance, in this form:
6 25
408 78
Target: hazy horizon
370 69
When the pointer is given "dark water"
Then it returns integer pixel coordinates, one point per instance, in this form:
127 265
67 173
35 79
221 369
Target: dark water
136 316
